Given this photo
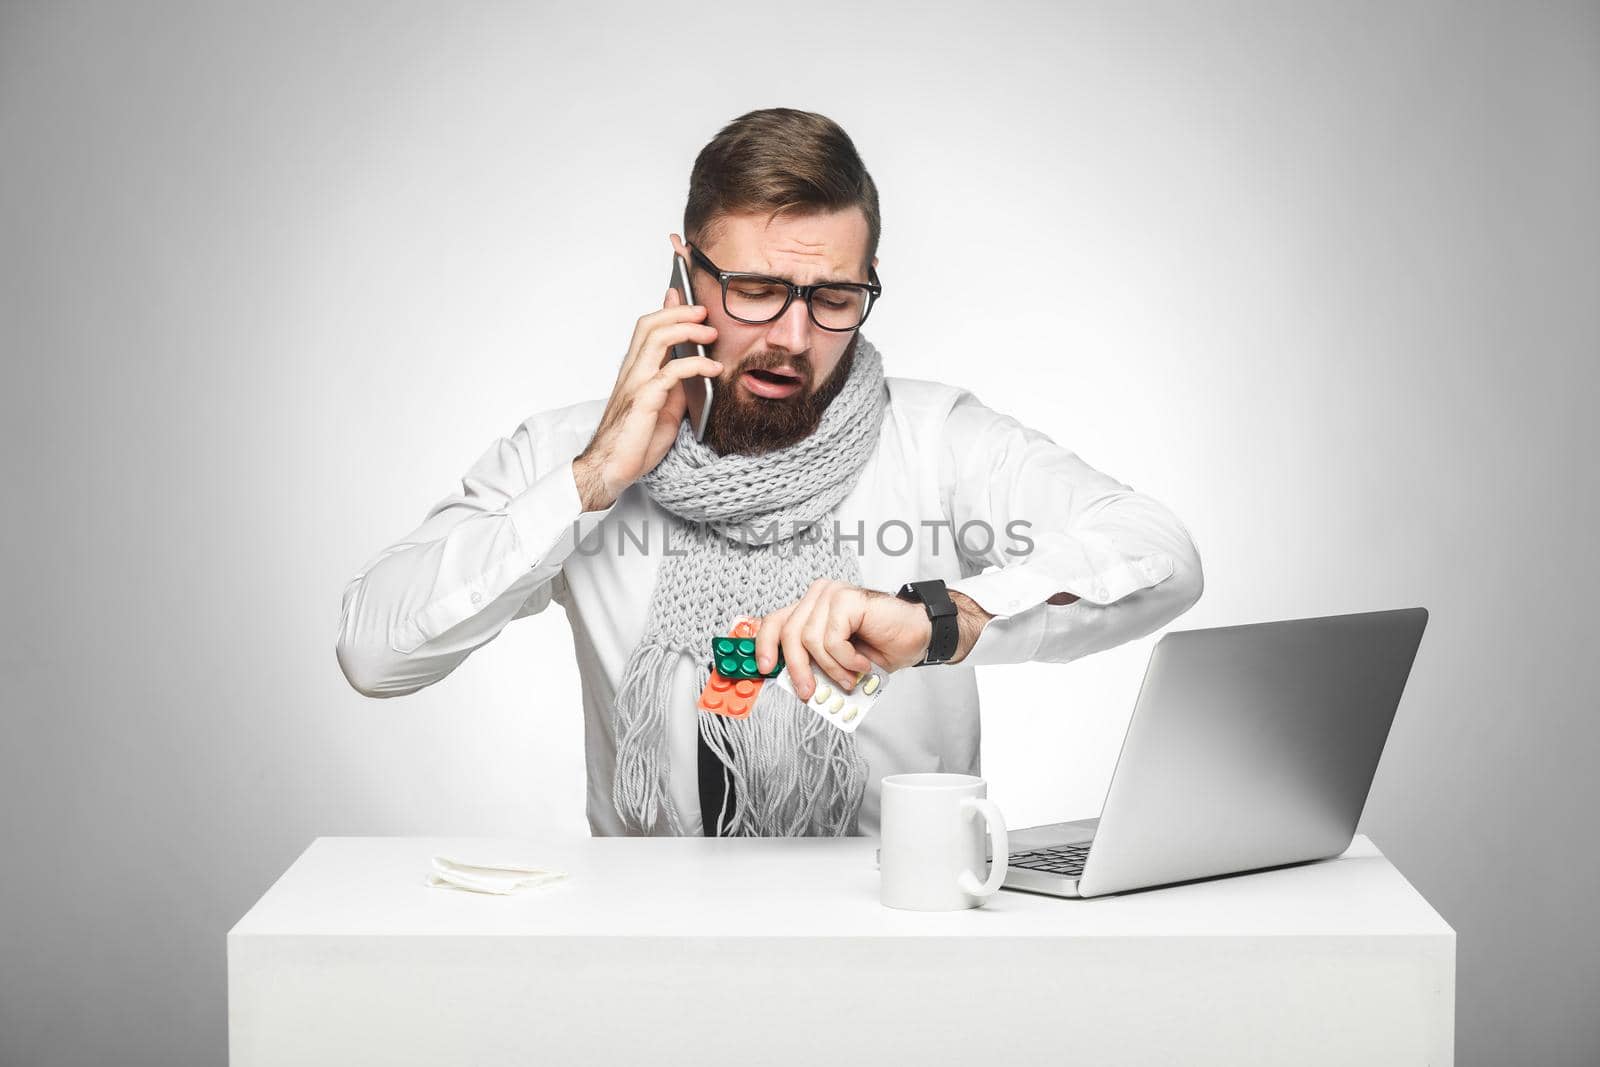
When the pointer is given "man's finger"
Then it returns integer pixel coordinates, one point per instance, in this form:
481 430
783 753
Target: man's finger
840 621
767 638
828 637
815 637
661 382
878 657
669 316
797 662
656 350
792 638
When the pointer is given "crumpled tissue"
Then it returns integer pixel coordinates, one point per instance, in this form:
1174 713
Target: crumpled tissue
499 877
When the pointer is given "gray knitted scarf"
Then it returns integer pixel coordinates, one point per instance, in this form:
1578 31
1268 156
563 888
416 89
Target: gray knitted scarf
733 550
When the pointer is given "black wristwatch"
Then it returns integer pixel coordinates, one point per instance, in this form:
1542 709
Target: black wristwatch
941 609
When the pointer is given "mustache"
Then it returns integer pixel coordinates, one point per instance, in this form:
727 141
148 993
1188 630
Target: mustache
801 365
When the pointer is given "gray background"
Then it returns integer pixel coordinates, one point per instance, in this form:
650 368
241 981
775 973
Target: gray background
1322 278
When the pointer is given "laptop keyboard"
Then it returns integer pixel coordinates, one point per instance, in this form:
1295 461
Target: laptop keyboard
1063 859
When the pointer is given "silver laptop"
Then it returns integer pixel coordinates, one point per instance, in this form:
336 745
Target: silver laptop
1249 747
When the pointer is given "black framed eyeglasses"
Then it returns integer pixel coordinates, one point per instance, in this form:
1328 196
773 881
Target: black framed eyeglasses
758 298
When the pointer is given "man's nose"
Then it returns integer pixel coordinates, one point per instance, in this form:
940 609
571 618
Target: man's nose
791 331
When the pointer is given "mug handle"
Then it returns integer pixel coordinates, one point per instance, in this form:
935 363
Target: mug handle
997 845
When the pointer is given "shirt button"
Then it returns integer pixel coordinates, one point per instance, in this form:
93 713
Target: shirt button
1100 592
477 598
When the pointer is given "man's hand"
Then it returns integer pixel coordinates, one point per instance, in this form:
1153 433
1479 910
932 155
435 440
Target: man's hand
647 403
838 628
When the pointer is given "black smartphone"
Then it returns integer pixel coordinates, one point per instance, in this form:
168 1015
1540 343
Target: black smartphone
697 389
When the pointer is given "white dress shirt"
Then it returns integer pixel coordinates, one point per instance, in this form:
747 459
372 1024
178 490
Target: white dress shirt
515 537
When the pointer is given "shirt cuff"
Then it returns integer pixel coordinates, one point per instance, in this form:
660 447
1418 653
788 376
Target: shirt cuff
1006 638
1016 596
547 521
1104 577
549 518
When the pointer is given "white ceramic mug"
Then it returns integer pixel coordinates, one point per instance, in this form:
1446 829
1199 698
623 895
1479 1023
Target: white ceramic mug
932 828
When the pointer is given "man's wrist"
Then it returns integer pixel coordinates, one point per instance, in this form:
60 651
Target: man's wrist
953 621
970 621
591 486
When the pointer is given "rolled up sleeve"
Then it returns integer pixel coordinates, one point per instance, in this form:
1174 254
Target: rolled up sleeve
482 556
1050 524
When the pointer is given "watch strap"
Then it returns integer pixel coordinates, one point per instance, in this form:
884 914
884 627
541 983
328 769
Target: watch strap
942 615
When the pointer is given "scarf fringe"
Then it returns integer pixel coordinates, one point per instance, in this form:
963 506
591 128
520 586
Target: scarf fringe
643 699
775 794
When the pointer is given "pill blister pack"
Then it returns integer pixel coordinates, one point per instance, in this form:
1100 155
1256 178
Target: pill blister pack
733 696
735 657
842 709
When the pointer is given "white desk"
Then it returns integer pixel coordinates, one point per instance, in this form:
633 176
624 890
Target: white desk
761 951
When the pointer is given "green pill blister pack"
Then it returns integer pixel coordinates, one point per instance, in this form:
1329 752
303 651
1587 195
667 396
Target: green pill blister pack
735 657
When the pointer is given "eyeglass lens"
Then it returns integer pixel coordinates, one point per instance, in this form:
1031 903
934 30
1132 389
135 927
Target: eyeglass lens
837 308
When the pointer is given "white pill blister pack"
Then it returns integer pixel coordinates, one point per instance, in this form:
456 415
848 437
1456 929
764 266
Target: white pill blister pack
844 710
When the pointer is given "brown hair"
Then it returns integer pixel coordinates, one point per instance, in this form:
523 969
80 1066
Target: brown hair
776 160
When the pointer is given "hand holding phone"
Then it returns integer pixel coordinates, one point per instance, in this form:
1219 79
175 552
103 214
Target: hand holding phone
648 402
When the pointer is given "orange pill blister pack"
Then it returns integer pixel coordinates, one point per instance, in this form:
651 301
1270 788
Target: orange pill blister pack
729 696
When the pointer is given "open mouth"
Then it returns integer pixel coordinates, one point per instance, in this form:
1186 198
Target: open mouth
773 384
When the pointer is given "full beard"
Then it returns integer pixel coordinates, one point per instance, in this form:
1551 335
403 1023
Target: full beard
750 425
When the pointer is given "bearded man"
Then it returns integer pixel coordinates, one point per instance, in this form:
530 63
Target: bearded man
864 520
